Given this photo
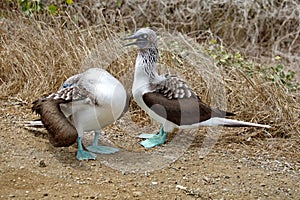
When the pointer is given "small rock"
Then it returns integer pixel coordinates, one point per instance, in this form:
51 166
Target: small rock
181 187
11 196
225 189
137 194
75 195
206 179
154 183
42 163
263 184
227 177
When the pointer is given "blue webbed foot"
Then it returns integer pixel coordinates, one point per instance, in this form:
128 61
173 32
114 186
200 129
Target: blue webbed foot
85 155
155 140
82 154
102 149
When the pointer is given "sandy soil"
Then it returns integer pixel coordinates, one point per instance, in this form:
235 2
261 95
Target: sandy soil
235 168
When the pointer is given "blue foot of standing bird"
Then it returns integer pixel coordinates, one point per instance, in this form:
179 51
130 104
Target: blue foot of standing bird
82 154
154 139
95 148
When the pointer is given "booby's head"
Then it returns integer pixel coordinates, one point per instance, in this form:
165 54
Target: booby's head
145 38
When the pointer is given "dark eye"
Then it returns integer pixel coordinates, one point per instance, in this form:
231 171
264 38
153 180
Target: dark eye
145 36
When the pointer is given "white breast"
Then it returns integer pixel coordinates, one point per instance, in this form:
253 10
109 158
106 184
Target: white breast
110 97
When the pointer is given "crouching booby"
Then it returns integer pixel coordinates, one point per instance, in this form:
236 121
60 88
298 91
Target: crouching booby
167 98
88 101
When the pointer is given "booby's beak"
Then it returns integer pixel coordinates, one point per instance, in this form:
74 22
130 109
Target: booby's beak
132 37
141 40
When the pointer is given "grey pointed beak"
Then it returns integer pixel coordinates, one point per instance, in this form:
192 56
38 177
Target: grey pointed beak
132 37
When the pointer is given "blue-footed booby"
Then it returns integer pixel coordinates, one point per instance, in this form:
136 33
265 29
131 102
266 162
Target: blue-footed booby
88 101
167 98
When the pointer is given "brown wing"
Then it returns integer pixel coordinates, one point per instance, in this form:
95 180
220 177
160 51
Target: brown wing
181 111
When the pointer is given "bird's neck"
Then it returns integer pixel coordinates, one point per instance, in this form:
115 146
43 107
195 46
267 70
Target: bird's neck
146 62
145 68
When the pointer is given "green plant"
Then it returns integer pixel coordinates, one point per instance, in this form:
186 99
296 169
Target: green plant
29 7
277 74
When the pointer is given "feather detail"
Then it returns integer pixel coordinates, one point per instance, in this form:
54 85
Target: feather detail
173 87
73 93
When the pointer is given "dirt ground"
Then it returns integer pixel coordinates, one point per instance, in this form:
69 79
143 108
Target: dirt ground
233 169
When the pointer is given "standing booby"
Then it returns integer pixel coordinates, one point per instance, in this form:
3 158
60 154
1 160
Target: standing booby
167 98
88 101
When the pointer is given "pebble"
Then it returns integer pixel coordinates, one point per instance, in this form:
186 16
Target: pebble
227 177
42 163
181 187
75 195
206 179
137 194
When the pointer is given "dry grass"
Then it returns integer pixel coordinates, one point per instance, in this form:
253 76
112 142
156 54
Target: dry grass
38 54
260 28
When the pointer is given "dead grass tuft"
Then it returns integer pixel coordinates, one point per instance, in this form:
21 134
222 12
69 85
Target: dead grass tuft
262 29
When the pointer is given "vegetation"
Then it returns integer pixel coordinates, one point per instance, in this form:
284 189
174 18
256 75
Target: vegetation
275 72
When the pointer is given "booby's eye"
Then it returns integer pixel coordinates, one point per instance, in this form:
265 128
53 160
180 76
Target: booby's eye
145 36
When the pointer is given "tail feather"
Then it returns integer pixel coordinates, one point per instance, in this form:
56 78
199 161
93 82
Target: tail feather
35 124
217 121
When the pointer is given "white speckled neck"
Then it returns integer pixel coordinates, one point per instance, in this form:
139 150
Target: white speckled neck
145 69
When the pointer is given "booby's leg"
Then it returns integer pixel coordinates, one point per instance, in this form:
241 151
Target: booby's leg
155 140
101 149
82 154
149 135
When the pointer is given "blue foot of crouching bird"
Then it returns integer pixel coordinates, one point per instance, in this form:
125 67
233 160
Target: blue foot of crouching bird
82 154
154 139
95 148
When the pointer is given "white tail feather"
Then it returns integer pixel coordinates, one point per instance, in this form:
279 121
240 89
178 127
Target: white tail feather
217 121
36 124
